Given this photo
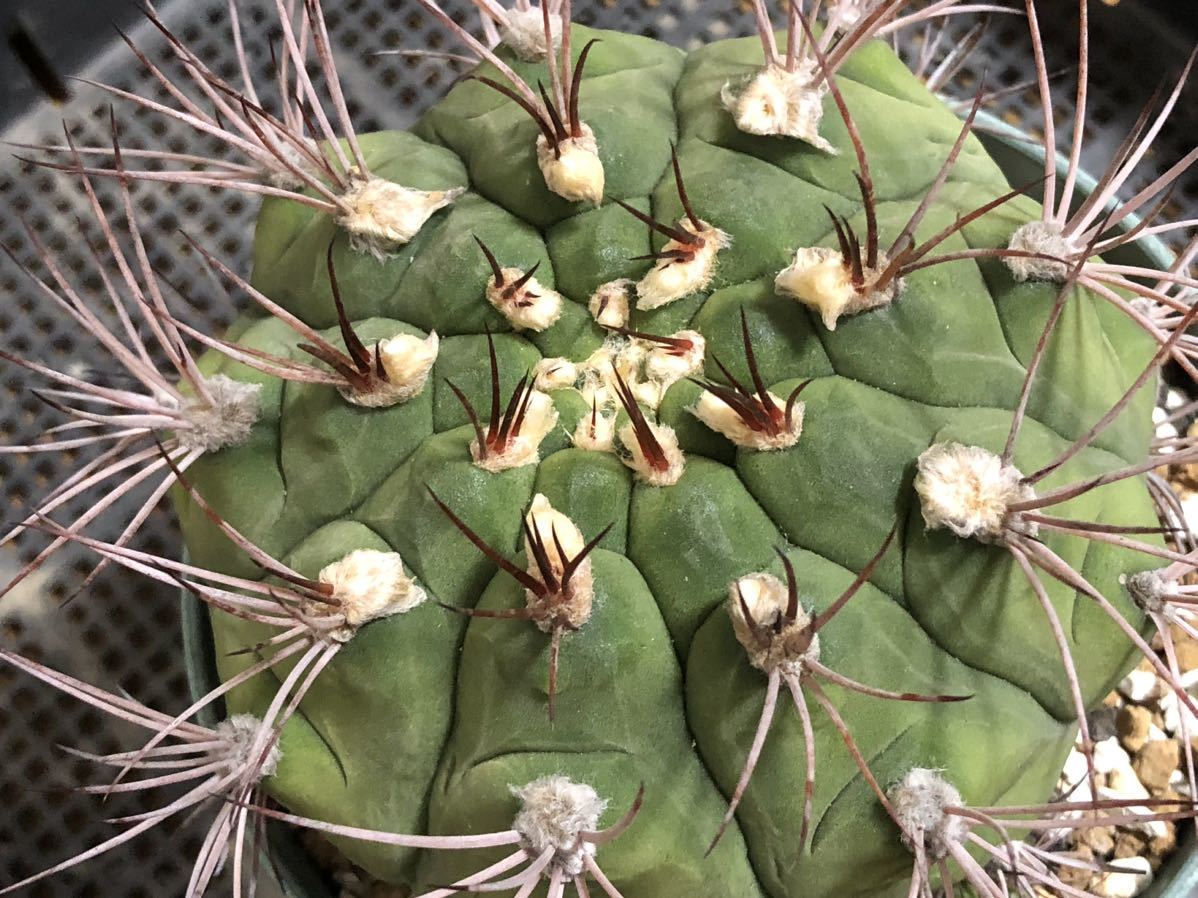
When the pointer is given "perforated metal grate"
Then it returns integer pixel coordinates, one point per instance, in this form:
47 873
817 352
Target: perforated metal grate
123 633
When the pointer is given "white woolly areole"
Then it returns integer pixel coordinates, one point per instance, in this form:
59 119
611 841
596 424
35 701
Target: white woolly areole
672 279
596 374
383 215
555 812
1045 237
723 419
225 421
524 31
407 360
598 435
819 278
609 303
1148 590
635 459
524 449
554 529
368 585
627 357
596 390
766 598
968 490
668 366
778 103
555 374
533 307
919 800
649 392
239 733
574 170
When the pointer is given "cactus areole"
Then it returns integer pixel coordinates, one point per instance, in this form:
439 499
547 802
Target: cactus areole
673 432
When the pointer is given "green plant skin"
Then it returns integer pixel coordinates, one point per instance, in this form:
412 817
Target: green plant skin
424 720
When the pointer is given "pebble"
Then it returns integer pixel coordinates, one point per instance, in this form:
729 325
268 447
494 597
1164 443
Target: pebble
1109 756
1162 846
1074 771
1134 875
1129 845
1140 685
1123 785
1079 877
1189 507
1187 649
1099 839
1171 713
1102 722
1079 792
1179 782
1150 831
1164 428
1155 763
1123 780
1133 725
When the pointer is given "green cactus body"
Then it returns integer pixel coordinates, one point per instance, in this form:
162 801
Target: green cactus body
425 719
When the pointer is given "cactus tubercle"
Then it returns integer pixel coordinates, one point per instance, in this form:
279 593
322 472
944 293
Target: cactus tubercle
780 103
970 491
381 216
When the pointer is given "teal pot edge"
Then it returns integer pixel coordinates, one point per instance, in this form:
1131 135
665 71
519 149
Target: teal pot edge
1022 161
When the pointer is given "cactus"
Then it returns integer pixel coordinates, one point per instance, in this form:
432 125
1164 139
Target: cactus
632 445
